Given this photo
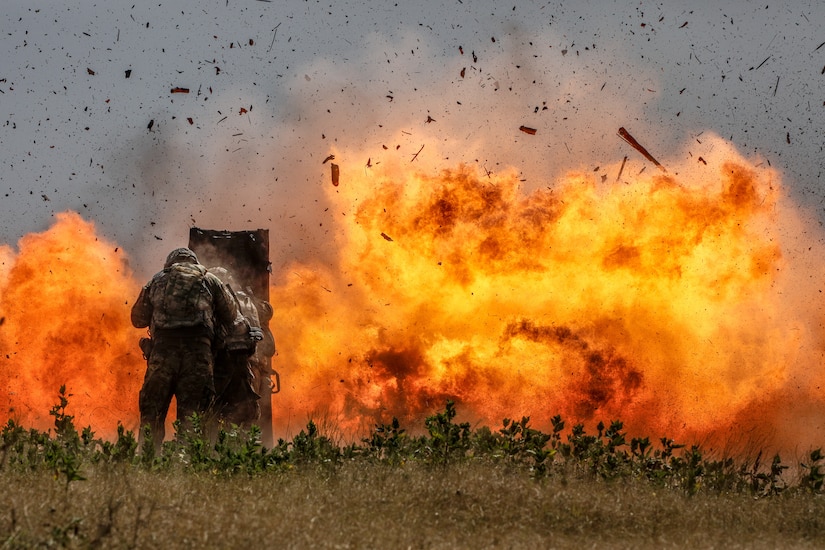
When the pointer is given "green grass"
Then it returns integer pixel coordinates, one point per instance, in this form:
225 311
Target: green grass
450 487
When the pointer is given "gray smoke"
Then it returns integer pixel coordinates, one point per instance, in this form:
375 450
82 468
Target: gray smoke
275 87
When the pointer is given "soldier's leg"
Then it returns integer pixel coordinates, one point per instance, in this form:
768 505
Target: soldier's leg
195 387
156 393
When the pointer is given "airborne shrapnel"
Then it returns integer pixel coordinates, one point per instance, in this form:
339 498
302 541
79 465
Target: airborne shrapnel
625 135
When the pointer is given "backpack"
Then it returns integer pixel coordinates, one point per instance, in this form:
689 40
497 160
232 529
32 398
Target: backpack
180 297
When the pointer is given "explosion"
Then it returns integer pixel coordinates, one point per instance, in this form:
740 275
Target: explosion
65 301
680 303
666 301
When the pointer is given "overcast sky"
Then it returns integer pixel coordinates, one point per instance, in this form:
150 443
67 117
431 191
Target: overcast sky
89 120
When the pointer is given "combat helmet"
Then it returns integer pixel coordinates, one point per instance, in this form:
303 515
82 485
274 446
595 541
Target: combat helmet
180 255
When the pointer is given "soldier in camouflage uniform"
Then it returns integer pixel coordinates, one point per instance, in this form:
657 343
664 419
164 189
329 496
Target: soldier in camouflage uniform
181 305
237 372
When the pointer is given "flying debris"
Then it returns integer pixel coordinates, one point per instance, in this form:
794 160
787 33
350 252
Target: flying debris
621 168
387 237
334 170
527 130
415 156
329 158
636 145
179 90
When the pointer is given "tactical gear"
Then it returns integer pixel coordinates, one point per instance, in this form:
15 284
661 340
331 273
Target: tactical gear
181 305
146 345
224 275
180 255
179 298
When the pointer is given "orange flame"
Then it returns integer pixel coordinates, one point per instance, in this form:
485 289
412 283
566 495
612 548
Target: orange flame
64 301
683 304
660 300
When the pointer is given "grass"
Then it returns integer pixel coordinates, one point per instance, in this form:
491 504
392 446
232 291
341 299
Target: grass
363 505
451 487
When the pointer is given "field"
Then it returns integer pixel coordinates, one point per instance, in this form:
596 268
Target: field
451 487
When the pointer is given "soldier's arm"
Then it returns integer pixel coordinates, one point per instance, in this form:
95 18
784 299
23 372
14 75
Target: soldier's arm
142 309
264 310
227 312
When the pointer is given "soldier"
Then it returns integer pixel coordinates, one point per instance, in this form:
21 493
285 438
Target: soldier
181 305
237 375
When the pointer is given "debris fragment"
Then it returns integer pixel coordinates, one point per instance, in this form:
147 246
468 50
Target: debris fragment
179 90
465 68
151 123
429 119
415 156
329 158
636 145
684 25
703 161
274 34
528 130
386 236
91 72
621 168
128 73
766 60
334 170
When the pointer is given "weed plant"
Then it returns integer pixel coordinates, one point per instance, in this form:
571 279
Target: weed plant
451 486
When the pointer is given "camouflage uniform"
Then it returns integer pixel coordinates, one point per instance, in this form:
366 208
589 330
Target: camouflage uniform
238 379
265 349
181 306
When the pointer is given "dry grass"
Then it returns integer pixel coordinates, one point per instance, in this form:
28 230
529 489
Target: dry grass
364 505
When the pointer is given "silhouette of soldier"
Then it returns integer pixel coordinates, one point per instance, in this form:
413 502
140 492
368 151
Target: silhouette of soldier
181 305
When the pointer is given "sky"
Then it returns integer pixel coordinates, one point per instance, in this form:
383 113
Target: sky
148 118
